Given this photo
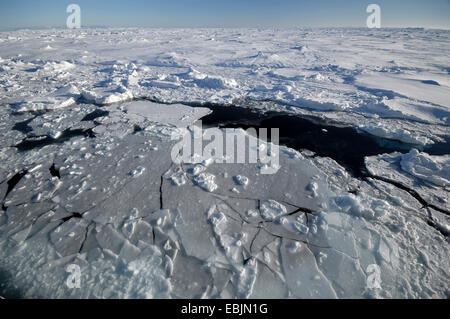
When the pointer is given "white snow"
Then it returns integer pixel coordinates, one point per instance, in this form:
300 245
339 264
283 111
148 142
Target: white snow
414 88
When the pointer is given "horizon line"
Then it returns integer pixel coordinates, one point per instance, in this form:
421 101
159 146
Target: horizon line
86 27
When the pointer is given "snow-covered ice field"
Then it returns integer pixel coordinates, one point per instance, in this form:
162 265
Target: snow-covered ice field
88 121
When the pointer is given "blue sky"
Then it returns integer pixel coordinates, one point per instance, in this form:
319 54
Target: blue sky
225 13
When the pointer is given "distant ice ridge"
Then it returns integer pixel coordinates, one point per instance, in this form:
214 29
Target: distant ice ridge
380 129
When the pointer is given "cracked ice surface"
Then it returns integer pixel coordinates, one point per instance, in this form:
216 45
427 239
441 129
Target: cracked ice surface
136 234
107 197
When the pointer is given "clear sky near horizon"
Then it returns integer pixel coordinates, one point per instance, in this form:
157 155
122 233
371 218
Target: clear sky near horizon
225 13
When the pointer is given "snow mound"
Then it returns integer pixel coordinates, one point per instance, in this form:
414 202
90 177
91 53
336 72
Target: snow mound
108 96
271 210
57 67
433 169
61 98
212 82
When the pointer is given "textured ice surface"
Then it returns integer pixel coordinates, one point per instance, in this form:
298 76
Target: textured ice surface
87 177
176 114
427 175
433 169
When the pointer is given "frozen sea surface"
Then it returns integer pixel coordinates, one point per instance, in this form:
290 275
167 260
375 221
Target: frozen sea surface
89 118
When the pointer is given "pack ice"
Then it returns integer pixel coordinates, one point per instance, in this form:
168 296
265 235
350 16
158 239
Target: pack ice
88 119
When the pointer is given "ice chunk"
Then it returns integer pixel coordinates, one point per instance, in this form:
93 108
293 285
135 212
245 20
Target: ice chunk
138 171
313 187
241 180
206 181
107 96
175 114
110 239
61 98
271 210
